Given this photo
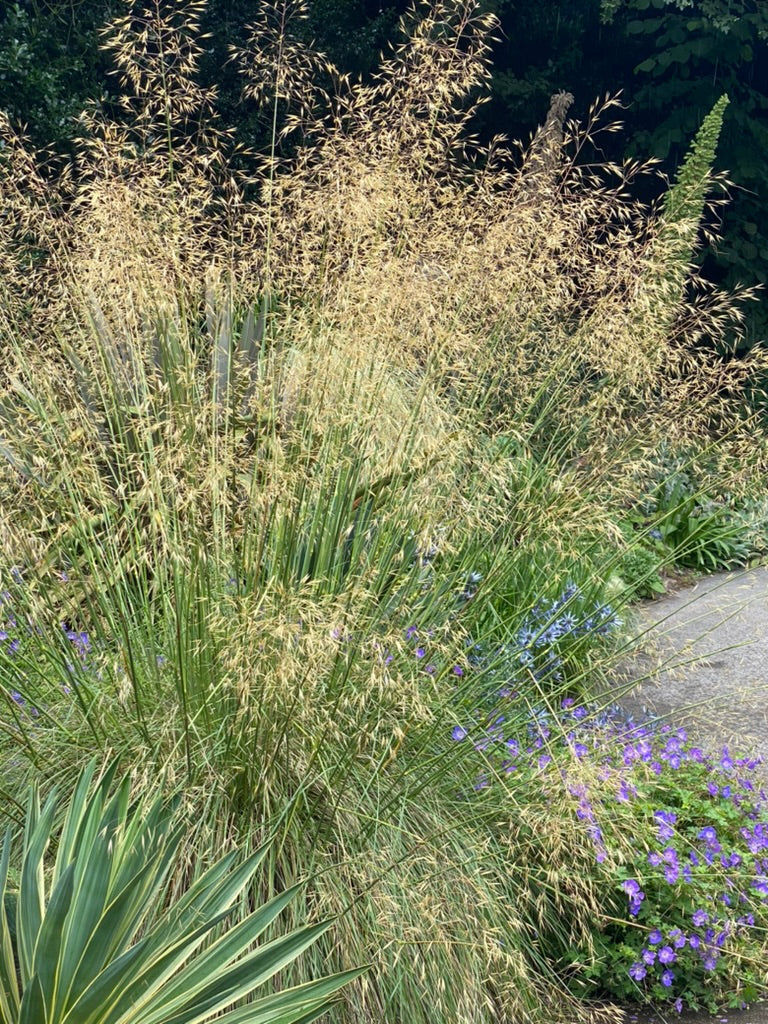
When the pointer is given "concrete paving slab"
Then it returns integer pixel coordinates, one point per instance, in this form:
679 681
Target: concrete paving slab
711 640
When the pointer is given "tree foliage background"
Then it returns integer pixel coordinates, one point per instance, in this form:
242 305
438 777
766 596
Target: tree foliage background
671 59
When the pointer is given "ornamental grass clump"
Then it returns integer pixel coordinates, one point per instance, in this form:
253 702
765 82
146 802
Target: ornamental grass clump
262 414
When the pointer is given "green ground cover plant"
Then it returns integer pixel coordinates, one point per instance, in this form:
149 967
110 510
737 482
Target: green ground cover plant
693 515
297 464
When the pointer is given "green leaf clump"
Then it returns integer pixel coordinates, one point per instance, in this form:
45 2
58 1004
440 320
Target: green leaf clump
93 938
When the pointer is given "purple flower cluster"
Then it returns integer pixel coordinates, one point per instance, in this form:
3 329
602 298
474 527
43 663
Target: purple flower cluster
539 647
703 883
697 891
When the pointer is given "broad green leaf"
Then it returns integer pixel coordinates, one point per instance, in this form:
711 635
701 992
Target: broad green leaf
141 969
229 984
288 1006
216 889
9 990
32 1010
31 905
109 938
50 944
90 894
109 873
71 830
194 983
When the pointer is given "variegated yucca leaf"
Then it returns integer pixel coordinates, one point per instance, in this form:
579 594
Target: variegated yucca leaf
90 938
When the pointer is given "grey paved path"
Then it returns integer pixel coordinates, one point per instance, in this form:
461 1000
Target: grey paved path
712 641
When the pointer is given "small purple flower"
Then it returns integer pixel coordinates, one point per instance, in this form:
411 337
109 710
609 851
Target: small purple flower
655 937
459 733
635 903
708 834
411 632
666 820
667 955
458 670
419 652
637 971
667 978
644 750
626 792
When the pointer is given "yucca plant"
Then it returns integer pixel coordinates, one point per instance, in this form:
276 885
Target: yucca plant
91 939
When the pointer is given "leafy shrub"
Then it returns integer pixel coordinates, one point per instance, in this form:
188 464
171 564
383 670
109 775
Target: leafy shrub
695 511
639 568
696 883
702 533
